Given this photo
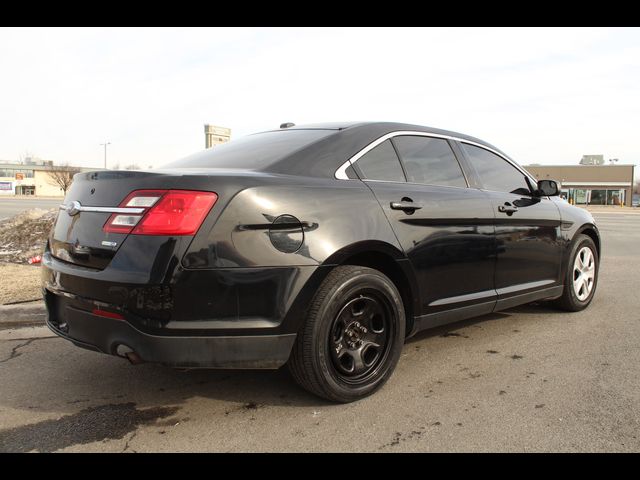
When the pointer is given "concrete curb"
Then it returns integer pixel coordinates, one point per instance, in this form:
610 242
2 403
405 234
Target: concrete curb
22 315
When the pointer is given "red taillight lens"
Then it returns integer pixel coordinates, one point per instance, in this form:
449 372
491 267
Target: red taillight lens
167 212
178 212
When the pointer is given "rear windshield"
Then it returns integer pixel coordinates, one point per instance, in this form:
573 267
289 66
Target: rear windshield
253 152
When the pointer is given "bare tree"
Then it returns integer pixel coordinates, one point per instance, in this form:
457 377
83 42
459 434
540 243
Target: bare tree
62 176
133 166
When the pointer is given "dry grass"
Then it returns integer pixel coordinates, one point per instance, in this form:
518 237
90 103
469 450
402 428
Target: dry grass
19 283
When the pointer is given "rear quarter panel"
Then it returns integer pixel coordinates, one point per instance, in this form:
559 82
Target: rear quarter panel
335 215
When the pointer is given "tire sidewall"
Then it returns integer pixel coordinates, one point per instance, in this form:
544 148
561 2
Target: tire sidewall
332 304
582 241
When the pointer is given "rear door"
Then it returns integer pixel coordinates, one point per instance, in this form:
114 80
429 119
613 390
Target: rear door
445 228
527 228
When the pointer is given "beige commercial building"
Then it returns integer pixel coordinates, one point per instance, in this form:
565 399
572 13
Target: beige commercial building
214 135
590 184
18 179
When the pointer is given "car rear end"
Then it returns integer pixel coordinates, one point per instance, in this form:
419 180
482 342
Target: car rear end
203 263
113 280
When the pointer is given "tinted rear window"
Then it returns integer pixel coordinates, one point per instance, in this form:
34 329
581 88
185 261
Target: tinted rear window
381 163
253 152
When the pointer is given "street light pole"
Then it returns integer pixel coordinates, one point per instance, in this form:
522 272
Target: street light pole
105 153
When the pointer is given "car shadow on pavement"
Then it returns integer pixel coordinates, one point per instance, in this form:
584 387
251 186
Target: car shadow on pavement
451 329
95 396
538 307
51 375
54 373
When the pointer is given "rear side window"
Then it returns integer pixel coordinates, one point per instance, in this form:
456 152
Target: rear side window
253 152
495 172
430 161
381 163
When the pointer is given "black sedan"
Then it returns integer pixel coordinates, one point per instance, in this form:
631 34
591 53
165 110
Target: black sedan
321 246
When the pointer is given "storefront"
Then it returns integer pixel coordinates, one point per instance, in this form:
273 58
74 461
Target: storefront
25 189
590 184
6 188
586 196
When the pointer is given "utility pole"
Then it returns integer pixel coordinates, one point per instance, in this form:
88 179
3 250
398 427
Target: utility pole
105 153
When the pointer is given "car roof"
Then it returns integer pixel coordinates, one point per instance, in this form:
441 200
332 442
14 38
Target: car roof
323 157
389 127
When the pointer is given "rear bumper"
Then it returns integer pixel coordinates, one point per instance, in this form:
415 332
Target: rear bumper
106 335
220 318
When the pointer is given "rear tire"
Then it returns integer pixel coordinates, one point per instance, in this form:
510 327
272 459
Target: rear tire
352 337
581 277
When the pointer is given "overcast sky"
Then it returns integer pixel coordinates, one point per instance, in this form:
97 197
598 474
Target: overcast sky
541 95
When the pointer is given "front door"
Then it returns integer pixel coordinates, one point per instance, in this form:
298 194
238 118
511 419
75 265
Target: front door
445 228
527 227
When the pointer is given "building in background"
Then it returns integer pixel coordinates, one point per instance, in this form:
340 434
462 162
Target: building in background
590 184
16 179
592 160
33 177
214 135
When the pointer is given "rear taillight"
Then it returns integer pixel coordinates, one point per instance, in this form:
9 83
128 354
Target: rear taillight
166 212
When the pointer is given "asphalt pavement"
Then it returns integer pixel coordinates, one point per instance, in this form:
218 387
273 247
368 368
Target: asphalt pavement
10 206
528 379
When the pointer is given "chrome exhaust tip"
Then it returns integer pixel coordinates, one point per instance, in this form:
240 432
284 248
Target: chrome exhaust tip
128 353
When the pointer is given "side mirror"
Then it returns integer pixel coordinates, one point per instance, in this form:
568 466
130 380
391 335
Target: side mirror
548 188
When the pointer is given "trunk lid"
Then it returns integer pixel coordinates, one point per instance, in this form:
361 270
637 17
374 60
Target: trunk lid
78 236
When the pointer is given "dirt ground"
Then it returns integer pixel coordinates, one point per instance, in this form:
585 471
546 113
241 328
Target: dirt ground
19 283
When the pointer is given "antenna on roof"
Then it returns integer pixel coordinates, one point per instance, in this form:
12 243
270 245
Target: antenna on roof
287 125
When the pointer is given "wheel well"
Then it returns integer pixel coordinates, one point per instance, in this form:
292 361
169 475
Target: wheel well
387 265
590 232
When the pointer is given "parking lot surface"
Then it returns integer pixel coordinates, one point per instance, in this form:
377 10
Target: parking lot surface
528 379
12 206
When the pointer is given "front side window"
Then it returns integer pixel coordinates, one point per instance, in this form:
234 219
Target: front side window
495 172
430 161
381 163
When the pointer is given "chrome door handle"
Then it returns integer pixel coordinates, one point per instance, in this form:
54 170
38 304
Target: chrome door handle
405 206
508 208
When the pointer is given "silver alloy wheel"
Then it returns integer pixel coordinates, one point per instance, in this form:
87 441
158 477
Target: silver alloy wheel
584 273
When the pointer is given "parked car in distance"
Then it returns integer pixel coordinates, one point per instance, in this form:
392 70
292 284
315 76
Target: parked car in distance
635 201
322 247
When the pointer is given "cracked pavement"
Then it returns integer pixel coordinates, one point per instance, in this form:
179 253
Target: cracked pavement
528 379
15 350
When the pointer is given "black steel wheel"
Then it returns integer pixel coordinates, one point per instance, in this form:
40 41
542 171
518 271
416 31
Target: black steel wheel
352 336
359 339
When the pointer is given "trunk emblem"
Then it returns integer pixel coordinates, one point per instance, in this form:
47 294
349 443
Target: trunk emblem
106 243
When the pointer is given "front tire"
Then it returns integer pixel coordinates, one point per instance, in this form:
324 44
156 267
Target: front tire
352 336
581 277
